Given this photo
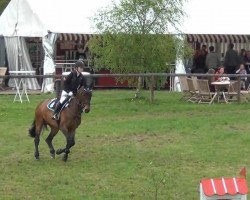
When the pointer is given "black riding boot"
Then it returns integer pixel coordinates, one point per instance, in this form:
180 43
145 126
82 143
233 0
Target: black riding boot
56 111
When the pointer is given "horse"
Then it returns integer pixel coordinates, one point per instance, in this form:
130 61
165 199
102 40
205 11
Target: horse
70 119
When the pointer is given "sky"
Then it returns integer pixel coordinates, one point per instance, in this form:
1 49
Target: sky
217 17
60 13
203 16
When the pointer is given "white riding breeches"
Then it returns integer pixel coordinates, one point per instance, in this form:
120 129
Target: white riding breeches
64 95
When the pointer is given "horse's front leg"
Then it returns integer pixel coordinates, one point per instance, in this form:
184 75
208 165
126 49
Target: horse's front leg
70 137
49 139
70 143
66 150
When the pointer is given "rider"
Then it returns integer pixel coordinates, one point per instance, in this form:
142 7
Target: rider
70 86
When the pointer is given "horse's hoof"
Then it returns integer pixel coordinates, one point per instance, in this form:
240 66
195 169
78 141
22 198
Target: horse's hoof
52 155
36 156
59 151
65 158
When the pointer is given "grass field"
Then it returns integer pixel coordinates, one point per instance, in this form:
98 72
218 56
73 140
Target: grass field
125 149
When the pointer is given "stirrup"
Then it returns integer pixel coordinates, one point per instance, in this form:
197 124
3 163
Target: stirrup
55 117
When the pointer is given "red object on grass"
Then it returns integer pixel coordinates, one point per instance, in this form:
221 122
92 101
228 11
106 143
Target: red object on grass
222 186
243 172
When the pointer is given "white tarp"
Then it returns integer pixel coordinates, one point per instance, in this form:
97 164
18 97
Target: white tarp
18 58
49 64
2 52
179 65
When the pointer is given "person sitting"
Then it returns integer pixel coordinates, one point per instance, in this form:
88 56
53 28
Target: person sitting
221 70
71 84
243 79
222 78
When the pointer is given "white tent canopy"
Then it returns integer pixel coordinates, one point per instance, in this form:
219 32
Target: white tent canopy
18 19
34 18
41 18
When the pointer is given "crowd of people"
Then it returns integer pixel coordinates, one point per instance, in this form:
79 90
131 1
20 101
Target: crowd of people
234 63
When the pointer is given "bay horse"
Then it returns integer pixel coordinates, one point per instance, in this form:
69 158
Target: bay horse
70 119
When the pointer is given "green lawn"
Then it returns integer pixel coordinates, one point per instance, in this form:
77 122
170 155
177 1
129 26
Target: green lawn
125 149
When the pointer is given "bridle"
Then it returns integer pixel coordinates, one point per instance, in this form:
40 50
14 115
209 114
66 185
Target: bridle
82 103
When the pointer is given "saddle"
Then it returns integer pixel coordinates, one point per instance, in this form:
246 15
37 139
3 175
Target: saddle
52 104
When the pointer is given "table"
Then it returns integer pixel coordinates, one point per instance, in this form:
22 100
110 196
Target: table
65 66
220 87
20 85
68 65
67 73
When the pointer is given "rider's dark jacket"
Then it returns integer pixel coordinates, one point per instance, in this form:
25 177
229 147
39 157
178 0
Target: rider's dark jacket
73 82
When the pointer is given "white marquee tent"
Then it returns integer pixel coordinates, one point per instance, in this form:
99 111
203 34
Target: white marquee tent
34 18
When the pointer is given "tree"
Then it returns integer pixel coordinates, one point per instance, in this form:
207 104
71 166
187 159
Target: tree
134 37
3 4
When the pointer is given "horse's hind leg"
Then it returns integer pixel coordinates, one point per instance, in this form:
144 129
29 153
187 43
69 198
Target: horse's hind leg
37 138
36 141
49 139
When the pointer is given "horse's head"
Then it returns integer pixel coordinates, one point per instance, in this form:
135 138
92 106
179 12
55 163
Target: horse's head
84 97
84 94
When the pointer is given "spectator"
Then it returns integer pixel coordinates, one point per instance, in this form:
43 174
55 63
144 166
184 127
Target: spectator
200 60
247 67
221 71
231 60
242 57
243 79
80 51
212 59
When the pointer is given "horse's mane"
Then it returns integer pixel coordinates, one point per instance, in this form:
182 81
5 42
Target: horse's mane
80 93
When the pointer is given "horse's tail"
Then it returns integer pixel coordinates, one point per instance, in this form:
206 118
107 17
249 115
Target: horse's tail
32 130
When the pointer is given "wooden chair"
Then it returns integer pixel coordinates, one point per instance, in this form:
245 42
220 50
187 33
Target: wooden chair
211 78
195 82
194 94
2 73
206 96
184 87
233 92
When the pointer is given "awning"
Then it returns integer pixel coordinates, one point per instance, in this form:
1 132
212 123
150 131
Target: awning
74 37
217 38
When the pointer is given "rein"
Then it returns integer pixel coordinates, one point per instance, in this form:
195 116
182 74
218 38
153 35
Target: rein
81 105
79 102
79 109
